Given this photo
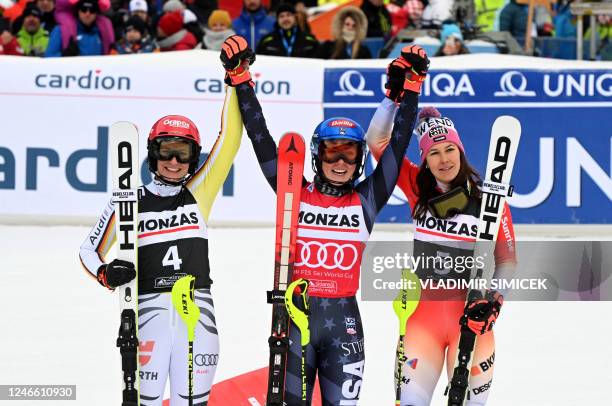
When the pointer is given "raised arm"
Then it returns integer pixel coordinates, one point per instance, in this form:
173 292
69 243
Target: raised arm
378 137
406 73
257 131
209 178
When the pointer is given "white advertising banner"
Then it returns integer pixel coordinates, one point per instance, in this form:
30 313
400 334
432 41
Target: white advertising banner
56 115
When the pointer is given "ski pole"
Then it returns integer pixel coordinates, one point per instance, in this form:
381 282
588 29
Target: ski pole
300 318
404 305
183 301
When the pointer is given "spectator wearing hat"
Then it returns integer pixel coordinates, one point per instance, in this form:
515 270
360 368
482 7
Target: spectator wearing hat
349 28
32 37
452 41
81 30
139 8
135 39
47 20
219 28
287 39
8 42
253 23
171 35
190 20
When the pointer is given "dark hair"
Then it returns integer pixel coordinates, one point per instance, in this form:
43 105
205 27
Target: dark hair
426 184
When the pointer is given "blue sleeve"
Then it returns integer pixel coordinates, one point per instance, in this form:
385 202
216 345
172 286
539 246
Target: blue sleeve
376 189
54 48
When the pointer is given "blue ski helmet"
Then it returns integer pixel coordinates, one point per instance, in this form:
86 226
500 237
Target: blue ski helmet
338 128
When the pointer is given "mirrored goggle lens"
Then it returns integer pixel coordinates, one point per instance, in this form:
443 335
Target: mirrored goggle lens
449 204
182 151
348 152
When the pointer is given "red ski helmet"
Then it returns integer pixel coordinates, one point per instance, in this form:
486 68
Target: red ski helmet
177 127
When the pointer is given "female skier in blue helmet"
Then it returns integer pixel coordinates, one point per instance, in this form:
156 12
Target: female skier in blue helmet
335 220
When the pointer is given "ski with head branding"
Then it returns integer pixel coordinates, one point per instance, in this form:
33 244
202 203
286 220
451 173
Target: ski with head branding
123 141
505 136
290 168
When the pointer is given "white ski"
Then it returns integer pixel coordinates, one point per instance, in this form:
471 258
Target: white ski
124 160
505 137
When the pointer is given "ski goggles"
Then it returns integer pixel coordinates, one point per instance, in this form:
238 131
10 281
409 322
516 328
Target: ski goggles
166 149
450 203
333 152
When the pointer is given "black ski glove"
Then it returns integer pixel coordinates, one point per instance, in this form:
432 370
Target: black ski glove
116 273
480 315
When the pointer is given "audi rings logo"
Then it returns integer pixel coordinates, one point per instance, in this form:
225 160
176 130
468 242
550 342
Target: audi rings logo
507 85
206 360
330 255
348 88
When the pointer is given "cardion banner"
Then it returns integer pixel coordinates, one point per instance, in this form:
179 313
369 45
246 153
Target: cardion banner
56 115
57 112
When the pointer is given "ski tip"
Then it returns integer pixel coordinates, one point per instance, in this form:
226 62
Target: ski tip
292 134
123 126
292 141
507 124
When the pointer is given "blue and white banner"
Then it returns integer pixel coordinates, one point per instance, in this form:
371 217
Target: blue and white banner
53 138
564 168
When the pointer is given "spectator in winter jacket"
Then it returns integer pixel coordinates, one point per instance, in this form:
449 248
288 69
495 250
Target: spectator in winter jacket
140 9
487 13
436 12
190 20
81 30
564 21
48 14
379 19
253 23
349 28
219 28
8 43
287 39
32 37
513 18
404 14
452 41
171 35
135 39
47 19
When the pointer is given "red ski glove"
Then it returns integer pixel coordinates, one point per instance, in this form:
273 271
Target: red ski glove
480 315
236 57
396 76
418 60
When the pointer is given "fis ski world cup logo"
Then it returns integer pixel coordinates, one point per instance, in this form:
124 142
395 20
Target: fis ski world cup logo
351 325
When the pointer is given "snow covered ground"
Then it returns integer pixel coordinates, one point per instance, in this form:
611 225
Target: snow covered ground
59 326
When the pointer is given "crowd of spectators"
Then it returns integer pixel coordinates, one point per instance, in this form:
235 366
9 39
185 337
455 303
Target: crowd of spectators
59 28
